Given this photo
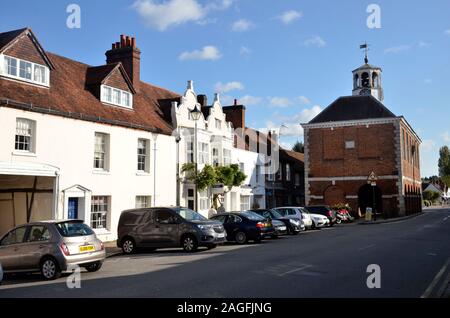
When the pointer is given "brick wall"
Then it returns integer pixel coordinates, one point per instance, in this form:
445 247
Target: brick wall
116 80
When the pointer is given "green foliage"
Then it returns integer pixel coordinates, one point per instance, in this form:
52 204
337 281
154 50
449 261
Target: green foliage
299 147
430 196
230 176
444 162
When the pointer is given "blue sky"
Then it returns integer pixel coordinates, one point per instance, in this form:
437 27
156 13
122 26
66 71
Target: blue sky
286 60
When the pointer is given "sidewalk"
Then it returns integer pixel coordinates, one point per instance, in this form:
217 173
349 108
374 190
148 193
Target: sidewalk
112 249
383 221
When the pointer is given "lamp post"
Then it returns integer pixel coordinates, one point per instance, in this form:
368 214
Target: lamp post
196 113
155 136
177 140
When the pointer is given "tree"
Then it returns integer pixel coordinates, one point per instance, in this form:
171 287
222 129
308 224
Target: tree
444 162
299 147
230 176
431 196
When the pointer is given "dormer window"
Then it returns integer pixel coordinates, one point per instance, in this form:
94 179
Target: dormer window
116 97
25 70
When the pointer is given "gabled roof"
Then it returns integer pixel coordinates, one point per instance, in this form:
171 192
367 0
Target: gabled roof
7 39
98 75
353 108
367 67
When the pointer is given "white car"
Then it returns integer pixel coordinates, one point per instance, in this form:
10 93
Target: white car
311 221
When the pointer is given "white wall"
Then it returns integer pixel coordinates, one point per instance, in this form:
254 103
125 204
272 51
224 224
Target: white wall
68 144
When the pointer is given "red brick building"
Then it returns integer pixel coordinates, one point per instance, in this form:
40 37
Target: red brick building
358 152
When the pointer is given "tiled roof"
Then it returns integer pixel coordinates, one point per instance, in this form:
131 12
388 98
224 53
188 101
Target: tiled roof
353 108
7 37
68 94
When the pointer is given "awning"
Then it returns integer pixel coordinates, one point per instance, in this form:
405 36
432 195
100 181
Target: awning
28 169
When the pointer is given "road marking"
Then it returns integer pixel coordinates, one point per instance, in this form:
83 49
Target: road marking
436 279
444 286
366 247
294 270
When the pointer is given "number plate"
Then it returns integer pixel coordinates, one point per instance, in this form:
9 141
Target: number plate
87 248
221 235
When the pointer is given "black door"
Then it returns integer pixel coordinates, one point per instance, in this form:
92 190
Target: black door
370 197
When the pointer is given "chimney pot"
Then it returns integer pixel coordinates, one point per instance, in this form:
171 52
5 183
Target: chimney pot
133 43
122 40
235 102
128 39
190 85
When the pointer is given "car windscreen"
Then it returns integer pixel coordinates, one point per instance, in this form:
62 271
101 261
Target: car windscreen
276 214
73 229
252 216
190 215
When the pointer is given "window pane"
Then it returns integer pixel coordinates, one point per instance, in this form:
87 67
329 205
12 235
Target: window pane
99 151
24 131
11 66
99 212
25 70
116 97
39 74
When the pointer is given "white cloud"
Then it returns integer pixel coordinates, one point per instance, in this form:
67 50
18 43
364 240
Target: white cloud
228 87
207 53
163 15
241 25
280 101
316 41
307 114
446 136
428 145
303 100
245 50
424 44
290 126
397 49
290 16
249 100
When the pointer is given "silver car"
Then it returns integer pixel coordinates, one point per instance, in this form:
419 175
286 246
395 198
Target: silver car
51 247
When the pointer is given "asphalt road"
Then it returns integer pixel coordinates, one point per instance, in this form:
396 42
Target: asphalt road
412 255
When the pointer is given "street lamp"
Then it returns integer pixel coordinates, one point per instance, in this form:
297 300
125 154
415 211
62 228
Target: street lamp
196 113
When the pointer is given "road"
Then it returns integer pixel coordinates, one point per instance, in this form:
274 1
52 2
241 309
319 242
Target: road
412 255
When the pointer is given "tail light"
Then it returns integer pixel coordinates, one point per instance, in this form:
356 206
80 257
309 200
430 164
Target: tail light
260 225
64 249
330 213
102 246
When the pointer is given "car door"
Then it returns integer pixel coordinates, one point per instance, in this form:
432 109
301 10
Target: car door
233 225
37 245
11 247
166 228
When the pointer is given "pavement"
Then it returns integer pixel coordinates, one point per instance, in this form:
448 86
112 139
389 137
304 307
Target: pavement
411 256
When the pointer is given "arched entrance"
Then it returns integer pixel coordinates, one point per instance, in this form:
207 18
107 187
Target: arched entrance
334 195
370 197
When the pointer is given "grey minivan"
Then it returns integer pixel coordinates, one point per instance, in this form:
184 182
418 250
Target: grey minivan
51 247
163 227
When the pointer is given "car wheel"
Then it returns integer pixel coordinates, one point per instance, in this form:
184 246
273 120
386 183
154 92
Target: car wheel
313 225
189 243
240 238
50 268
94 267
128 246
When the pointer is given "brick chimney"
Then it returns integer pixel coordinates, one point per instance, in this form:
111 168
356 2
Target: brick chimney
202 100
129 55
235 114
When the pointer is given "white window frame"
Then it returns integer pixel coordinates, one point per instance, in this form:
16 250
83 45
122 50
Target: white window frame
100 209
4 71
215 157
245 203
203 201
103 151
30 134
226 157
109 98
190 152
143 201
203 152
143 155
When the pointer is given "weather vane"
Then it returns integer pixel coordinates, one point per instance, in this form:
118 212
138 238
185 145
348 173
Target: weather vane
365 46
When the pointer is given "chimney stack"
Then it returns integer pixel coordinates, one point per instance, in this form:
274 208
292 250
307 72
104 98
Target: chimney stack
202 100
129 55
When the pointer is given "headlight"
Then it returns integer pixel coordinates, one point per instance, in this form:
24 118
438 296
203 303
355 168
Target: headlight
205 227
295 222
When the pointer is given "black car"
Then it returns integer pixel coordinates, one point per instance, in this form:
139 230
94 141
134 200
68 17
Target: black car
324 210
293 225
242 227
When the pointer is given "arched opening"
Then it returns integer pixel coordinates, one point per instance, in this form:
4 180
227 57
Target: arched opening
375 80
355 81
370 197
334 195
365 79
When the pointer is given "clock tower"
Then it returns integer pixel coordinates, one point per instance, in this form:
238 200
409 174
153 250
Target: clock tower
367 80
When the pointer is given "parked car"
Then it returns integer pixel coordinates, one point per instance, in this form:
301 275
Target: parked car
293 225
246 226
1 274
51 247
164 227
324 210
279 227
296 213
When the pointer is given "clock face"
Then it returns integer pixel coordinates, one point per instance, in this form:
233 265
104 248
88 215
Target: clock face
365 92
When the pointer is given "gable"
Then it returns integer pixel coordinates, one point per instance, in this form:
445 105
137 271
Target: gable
115 79
26 47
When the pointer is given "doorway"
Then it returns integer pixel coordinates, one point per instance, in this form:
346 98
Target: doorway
370 197
72 211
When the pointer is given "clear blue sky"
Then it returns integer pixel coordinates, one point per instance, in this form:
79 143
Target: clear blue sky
284 59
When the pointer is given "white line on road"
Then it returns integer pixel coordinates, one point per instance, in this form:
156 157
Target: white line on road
295 270
366 247
436 279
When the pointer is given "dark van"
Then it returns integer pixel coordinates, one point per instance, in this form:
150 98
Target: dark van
155 228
